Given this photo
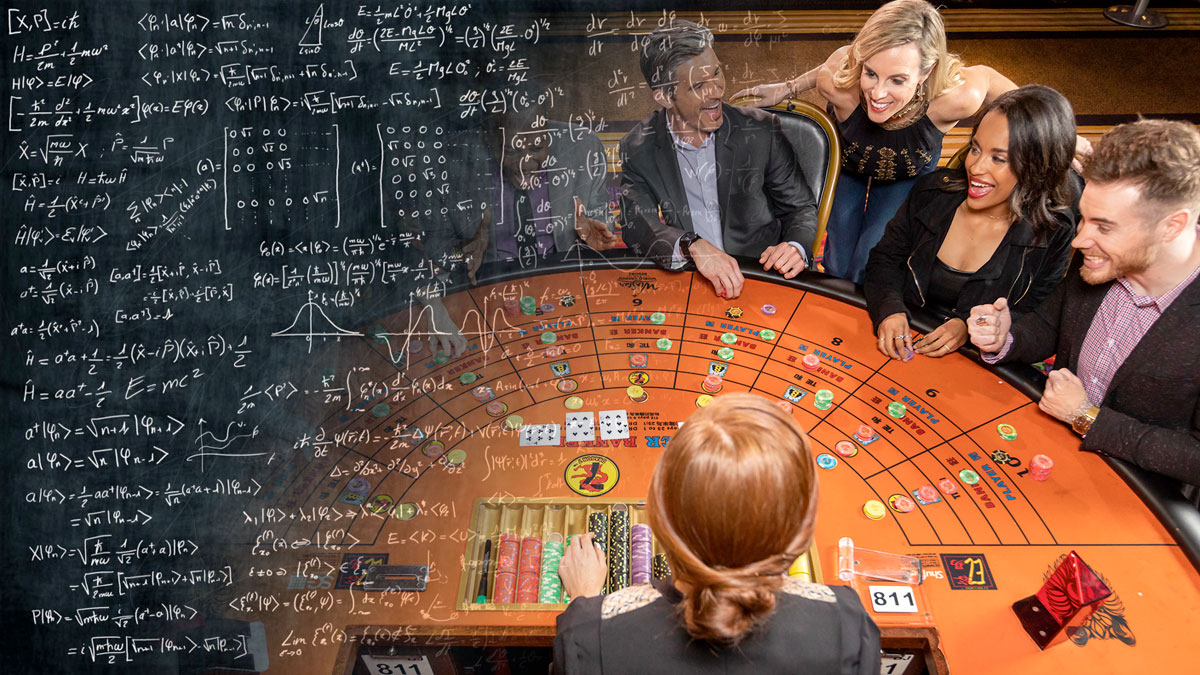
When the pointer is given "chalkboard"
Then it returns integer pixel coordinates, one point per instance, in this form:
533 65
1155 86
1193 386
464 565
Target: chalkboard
204 201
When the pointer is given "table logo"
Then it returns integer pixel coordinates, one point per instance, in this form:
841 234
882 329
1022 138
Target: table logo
591 475
968 572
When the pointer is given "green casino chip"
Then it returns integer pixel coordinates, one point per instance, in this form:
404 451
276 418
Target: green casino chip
658 317
725 353
664 343
729 338
767 334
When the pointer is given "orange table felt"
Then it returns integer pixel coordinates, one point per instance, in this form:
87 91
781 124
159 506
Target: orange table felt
983 547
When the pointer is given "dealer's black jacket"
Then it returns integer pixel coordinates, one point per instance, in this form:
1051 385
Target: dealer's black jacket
1023 269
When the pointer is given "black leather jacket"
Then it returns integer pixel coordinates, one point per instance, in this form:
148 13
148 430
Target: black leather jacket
1022 269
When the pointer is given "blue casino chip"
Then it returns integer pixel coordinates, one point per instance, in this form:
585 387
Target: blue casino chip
826 461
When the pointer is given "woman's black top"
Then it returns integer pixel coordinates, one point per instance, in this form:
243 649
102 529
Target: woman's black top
815 629
870 151
902 266
945 284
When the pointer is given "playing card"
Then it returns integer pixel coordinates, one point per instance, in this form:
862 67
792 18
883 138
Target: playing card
614 425
540 434
581 426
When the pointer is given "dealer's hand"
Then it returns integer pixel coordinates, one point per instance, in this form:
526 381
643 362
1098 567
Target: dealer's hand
988 326
895 340
1064 395
719 268
592 232
943 339
444 335
583 569
783 257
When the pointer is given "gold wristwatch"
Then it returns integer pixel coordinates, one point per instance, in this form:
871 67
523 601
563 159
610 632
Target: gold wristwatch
1082 423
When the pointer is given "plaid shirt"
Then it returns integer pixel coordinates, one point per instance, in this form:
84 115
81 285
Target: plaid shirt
1121 321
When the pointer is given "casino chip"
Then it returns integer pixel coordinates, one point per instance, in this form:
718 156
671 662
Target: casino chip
1007 431
567 386
823 399
896 409
381 410
767 334
769 310
703 400
874 509
712 384
405 511
826 461
546 307
555 351
658 317
549 338
664 344
636 393
567 300
810 362
638 360
513 422
845 448
573 403
496 408
456 457
901 503
728 338
1039 467
434 449
725 353
734 312
467 378
968 476
947 486
784 406
927 495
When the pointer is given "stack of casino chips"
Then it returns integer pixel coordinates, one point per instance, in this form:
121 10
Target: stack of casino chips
618 549
660 568
528 305
529 571
566 597
512 307
506 568
550 589
598 526
641 552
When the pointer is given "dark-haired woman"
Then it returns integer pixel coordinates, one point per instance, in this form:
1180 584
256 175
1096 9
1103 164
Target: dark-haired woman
1001 226
728 608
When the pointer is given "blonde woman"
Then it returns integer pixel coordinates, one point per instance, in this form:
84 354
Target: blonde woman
894 92
728 608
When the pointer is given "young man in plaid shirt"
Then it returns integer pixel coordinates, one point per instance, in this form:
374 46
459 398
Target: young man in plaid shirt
1124 329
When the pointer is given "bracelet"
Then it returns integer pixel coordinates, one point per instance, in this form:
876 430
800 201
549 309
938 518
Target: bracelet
1083 408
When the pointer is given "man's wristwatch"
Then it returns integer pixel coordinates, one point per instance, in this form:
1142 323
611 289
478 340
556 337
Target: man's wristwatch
685 243
1082 423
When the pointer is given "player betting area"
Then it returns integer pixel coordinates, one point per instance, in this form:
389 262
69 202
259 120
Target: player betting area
572 382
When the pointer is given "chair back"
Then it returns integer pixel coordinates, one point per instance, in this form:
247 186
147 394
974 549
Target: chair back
819 153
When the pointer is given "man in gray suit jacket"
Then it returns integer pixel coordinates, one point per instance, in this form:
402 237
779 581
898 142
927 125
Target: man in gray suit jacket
1123 331
702 181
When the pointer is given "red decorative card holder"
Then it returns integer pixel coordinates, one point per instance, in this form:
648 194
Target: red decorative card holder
1072 592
